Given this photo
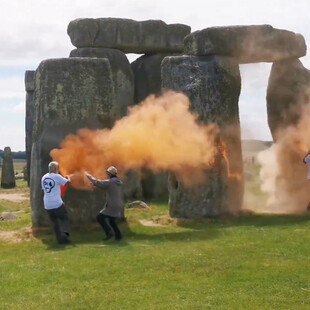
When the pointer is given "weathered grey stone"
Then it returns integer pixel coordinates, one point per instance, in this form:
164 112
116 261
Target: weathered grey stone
7 174
124 95
132 188
121 71
288 90
248 44
29 80
147 74
129 36
213 87
29 86
8 216
154 185
138 203
70 94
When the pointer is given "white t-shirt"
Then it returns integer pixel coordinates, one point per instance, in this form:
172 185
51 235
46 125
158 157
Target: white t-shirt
51 183
307 160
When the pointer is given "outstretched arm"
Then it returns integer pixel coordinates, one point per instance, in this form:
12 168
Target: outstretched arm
98 183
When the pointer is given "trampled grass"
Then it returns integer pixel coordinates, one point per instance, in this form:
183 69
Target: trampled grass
249 262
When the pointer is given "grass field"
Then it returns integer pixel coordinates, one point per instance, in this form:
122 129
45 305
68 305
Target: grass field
248 262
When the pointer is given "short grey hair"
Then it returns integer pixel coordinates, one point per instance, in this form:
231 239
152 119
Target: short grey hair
52 166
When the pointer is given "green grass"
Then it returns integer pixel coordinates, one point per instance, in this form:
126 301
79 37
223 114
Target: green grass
250 262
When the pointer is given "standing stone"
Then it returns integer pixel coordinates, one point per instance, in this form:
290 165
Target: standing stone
29 87
128 36
147 74
247 44
213 87
70 93
7 174
121 72
123 81
288 90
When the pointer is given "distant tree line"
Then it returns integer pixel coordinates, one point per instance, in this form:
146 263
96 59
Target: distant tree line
15 155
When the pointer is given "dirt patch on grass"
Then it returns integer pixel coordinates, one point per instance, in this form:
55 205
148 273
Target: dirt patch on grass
14 197
160 221
17 236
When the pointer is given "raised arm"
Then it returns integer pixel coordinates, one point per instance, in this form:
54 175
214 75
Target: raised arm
98 183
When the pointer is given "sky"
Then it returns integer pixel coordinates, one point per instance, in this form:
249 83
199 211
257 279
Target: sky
34 30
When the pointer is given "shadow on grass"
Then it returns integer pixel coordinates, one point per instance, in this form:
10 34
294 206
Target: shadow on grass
245 220
196 230
95 235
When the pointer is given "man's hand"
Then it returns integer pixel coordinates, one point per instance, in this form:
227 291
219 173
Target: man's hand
88 175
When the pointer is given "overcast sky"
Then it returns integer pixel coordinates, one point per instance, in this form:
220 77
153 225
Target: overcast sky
33 30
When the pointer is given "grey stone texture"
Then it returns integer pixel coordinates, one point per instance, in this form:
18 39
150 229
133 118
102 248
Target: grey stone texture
288 90
8 216
7 174
29 80
132 188
123 80
29 86
213 87
121 72
128 36
247 44
147 74
70 93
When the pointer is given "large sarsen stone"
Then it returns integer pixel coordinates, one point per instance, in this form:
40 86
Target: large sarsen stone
70 93
129 36
288 90
213 87
247 44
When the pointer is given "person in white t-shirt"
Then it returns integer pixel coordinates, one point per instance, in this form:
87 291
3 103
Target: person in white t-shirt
51 185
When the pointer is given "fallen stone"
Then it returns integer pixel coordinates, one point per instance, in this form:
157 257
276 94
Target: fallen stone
248 44
8 216
19 176
138 203
128 36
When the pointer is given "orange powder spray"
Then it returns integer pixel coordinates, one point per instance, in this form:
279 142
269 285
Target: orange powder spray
160 134
283 173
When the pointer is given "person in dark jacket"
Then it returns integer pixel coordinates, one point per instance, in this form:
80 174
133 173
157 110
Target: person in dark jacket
114 206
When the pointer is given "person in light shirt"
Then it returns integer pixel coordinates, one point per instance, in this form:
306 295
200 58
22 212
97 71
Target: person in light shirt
51 184
306 160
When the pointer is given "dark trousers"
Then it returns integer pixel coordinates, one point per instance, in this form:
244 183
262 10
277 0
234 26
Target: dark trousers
107 222
60 222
